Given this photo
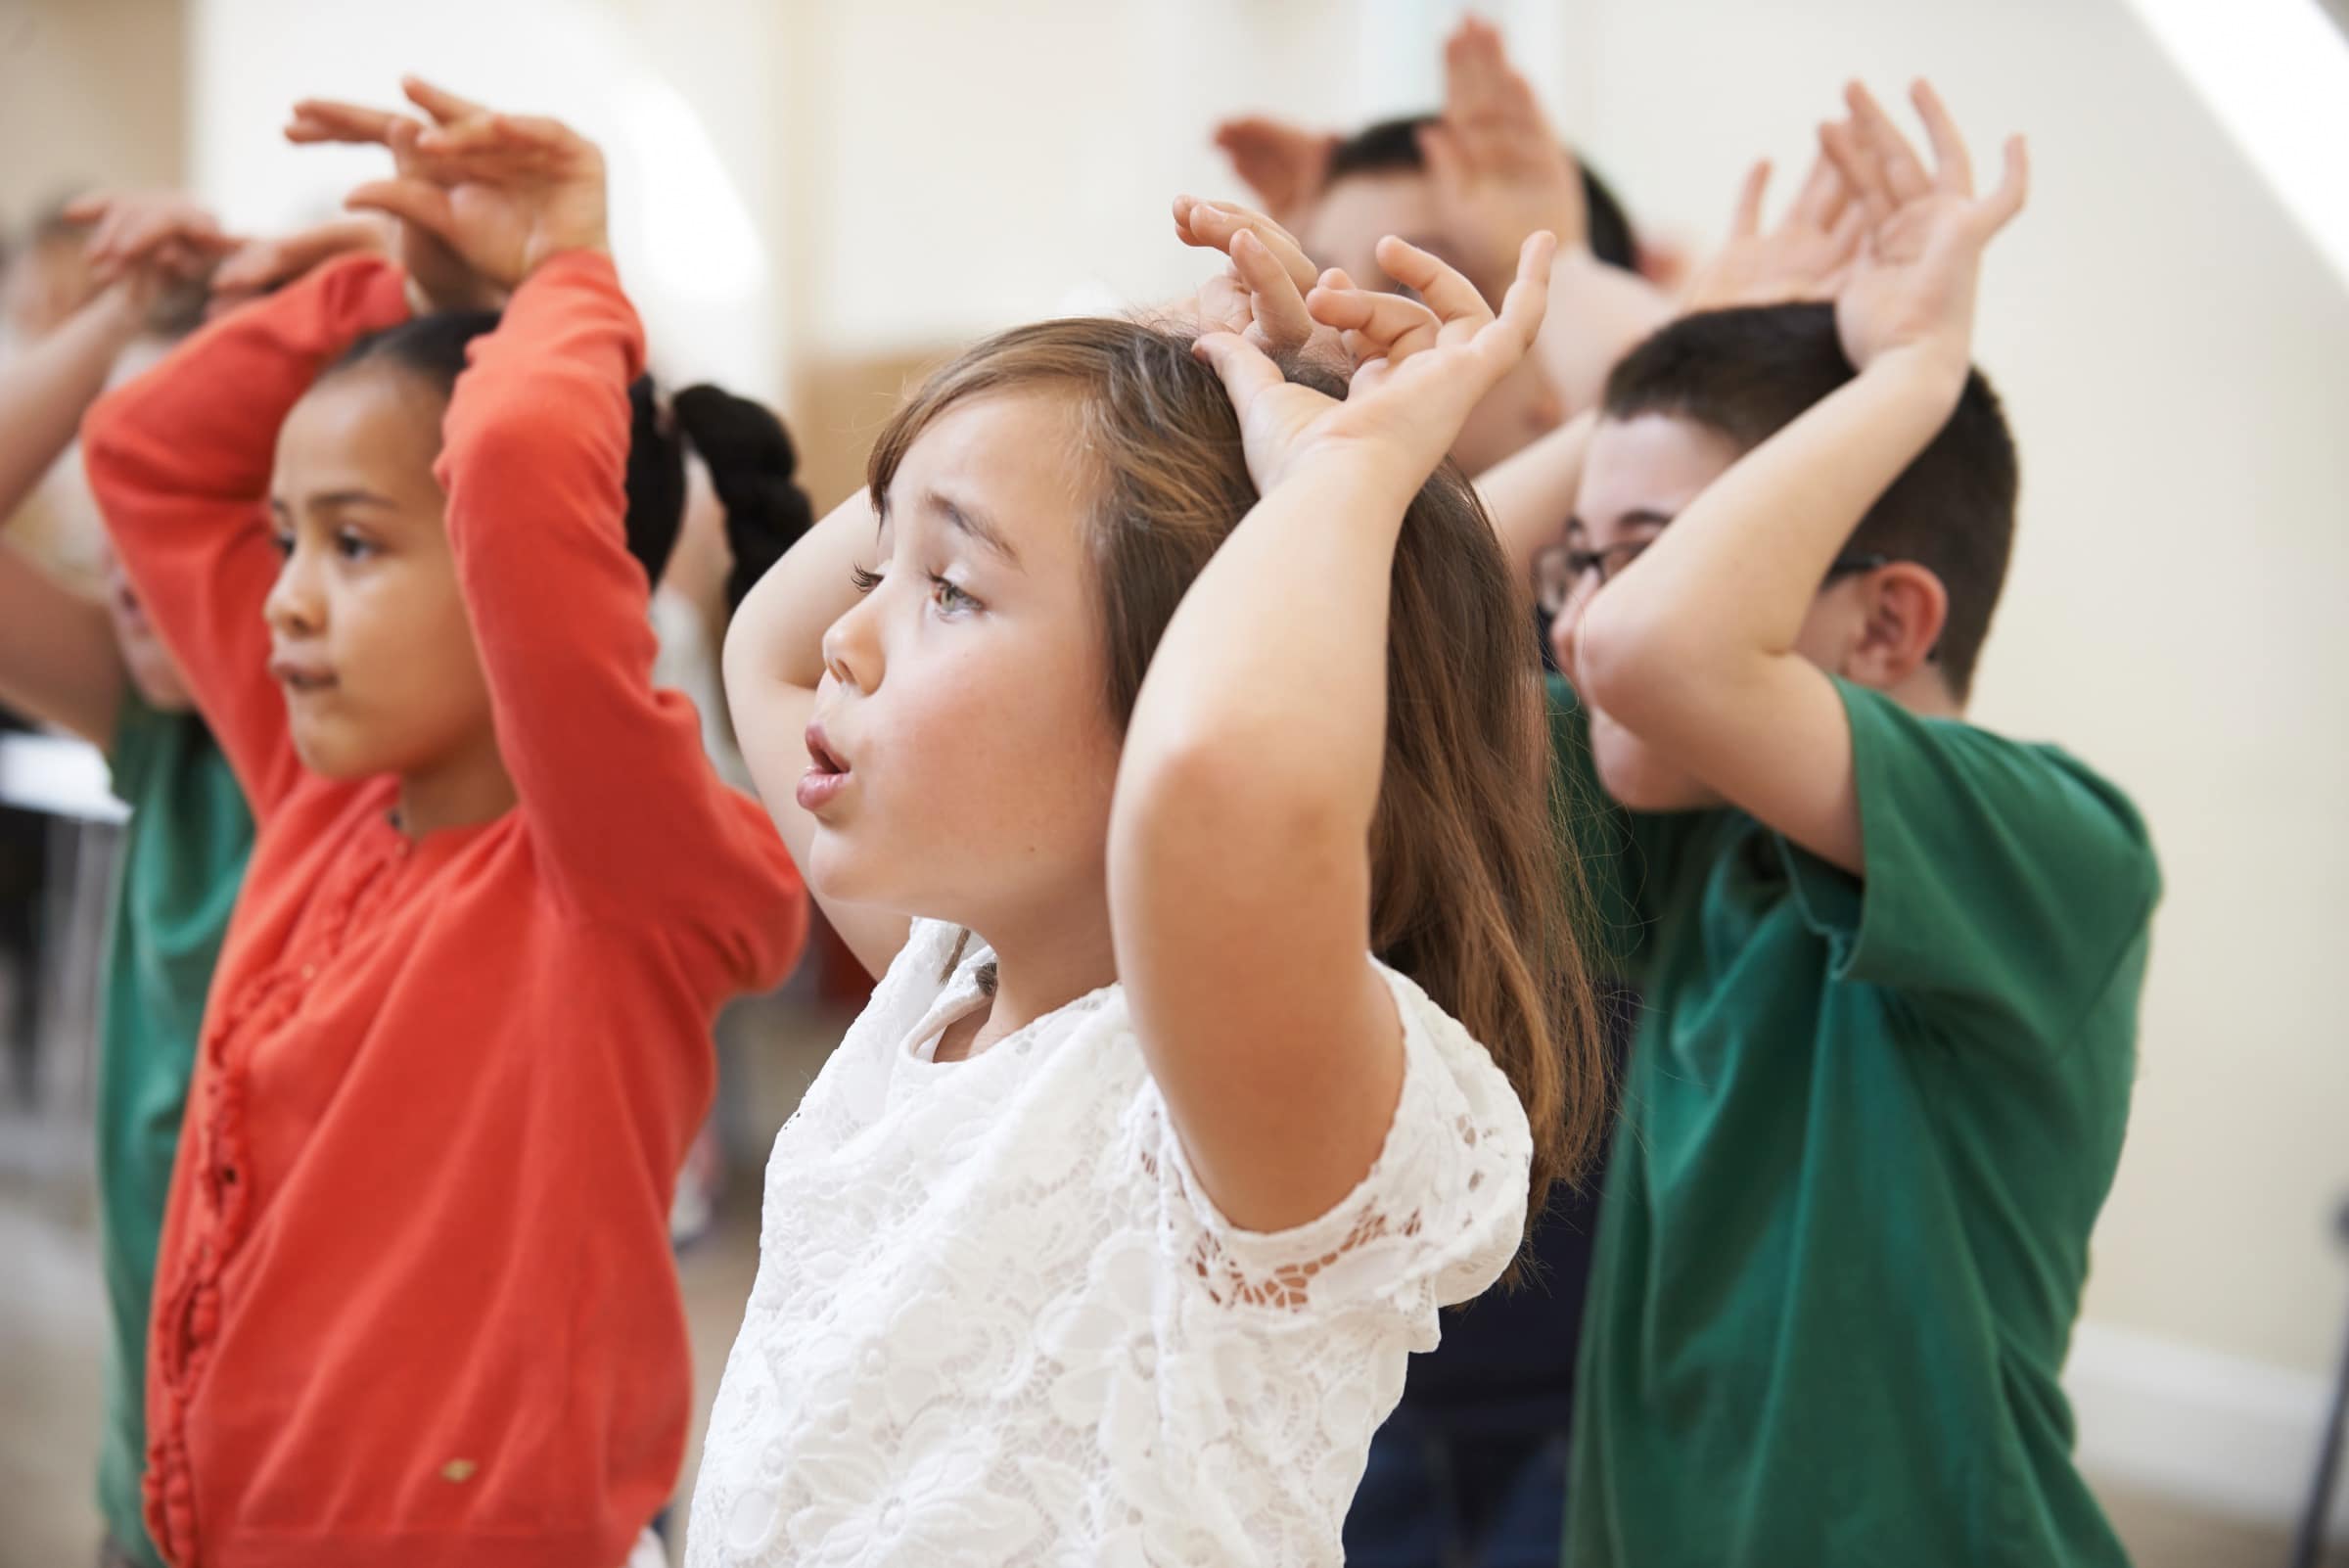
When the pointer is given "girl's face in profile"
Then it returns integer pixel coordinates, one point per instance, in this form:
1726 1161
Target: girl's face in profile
369 638
964 751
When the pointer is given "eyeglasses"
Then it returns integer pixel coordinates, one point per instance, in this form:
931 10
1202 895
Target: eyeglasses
1561 569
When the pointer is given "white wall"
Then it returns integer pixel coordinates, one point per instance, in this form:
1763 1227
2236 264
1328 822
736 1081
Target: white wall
2173 355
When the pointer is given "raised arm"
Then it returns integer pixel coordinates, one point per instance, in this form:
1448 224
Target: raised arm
627 814
1693 646
58 661
180 461
774 661
1239 876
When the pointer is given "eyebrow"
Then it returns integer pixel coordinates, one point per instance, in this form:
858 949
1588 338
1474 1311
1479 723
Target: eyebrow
973 521
335 500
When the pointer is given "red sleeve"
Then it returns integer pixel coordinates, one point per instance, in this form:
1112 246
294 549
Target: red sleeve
627 815
179 460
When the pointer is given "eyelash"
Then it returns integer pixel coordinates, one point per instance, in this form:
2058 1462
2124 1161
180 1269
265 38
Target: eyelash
349 546
948 597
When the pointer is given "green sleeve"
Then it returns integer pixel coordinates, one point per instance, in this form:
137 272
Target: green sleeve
1626 857
138 740
1998 874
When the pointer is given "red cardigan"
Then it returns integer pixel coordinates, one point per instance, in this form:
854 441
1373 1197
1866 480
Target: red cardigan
415 1301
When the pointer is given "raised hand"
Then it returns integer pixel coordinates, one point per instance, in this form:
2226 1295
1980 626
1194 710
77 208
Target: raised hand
259 267
1499 169
148 240
1804 258
1261 296
1419 367
505 193
1911 285
1284 164
441 279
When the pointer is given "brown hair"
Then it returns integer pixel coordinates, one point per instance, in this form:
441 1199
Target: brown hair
1471 890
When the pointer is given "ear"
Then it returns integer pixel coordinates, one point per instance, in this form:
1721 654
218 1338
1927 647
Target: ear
1903 608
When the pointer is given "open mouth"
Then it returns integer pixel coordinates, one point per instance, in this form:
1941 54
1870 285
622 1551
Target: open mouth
301 679
827 772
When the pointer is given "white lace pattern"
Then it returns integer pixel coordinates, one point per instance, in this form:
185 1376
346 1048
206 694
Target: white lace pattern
998 1322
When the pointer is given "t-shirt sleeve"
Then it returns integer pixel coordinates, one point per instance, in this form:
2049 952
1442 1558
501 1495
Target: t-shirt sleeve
1435 1222
1999 875
1626 857
137 742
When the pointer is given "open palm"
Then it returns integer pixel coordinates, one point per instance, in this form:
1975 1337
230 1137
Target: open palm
1911 282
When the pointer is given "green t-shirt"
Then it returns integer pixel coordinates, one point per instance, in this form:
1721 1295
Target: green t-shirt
1866 1130
183 859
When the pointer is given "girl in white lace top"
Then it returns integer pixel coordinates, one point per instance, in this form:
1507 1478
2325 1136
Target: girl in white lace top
1165 739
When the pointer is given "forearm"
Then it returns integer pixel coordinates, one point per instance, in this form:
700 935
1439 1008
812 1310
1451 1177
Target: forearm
1279 712
1597 315
1733 579
45 391
1531 494
59 662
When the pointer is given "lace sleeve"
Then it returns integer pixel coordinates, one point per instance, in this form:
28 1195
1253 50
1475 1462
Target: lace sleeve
1434 1222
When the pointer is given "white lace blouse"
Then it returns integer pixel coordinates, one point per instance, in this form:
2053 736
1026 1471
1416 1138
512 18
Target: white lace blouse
997 1321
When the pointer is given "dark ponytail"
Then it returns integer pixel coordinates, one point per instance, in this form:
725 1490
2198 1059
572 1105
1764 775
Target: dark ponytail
752 462
751 459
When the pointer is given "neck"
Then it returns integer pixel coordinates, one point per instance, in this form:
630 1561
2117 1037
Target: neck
470 787
1046 964
1926 694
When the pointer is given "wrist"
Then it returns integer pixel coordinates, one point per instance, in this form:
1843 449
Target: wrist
1931 369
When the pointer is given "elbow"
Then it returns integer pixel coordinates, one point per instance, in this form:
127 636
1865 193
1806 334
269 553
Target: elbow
1219 798
1630 657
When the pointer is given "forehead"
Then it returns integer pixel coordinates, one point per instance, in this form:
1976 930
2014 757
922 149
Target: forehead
1356 212
1012 455
372 423
1649 463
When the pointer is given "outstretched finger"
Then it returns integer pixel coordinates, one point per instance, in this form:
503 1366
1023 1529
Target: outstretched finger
1856 161
1215 225
1273 297
439 101
1953 167
1825 196
1746 221
1528 300
1904 176
1376 324
422 202
320 119
2014 185
1451 297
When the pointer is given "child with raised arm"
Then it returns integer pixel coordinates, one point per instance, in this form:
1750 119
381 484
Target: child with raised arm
415 1302
1892 960
98 671
1228 1020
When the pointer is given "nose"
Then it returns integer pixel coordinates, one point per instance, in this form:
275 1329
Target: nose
297 602
852 645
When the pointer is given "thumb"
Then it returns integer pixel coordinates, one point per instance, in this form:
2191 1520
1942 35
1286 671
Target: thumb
411 201
1241 366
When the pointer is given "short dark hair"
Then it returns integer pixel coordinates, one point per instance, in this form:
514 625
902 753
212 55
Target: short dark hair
1748 373
1394 144
751 460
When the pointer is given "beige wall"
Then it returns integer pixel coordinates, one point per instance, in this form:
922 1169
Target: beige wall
2175 357
92 92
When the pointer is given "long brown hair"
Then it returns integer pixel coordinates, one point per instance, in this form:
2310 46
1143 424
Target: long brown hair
1472 894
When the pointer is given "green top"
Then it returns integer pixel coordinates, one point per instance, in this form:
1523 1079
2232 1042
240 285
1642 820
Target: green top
1866 1130
183 858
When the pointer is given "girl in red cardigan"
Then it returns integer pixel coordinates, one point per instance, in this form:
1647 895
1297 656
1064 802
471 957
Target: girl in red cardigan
415 1302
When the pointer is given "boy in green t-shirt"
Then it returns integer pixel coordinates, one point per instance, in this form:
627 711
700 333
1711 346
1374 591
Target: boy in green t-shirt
97 669
1891 960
